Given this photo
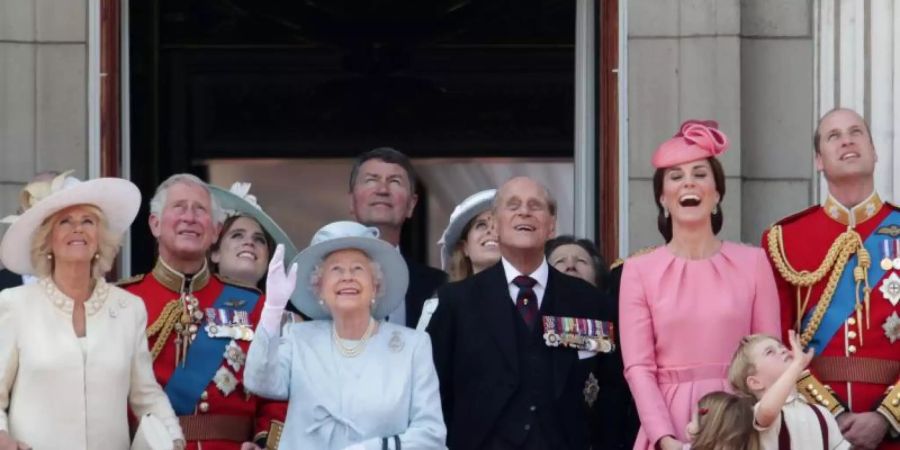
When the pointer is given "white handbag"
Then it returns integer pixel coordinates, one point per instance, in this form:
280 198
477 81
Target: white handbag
152 435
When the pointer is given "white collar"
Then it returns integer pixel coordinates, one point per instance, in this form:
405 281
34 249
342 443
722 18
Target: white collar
540 274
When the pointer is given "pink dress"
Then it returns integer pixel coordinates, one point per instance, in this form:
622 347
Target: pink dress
681 321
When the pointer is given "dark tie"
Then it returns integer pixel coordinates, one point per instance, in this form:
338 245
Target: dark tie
526 301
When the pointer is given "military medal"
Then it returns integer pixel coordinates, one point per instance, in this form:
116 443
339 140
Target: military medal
225 381
591 389
896 260
582 334
891 327
886 261
890 288
235 356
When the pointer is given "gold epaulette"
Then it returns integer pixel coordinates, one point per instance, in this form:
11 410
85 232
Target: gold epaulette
890 407
618 262
237 283
130 280
274 437
815 392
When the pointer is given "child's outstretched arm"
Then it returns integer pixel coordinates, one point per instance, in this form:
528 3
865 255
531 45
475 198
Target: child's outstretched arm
773 399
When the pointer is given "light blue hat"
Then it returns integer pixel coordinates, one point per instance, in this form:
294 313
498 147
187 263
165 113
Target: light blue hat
344 235
464 212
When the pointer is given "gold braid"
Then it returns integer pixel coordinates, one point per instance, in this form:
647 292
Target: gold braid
835 261
163 325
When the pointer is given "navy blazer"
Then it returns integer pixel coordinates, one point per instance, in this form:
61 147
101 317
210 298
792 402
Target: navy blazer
474 339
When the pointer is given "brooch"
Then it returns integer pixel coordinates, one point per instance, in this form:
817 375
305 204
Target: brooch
591 390
396 343
225 381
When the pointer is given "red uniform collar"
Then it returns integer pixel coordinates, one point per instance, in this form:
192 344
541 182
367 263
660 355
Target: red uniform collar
179 282
856 215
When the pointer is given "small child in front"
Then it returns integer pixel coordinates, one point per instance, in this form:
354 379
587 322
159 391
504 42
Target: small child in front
765 369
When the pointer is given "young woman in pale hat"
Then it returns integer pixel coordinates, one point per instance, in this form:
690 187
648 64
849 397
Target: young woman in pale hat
353 380
684 307
248 238
468 244
74 352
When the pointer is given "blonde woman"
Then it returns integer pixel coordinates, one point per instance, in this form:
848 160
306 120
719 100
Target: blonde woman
75 356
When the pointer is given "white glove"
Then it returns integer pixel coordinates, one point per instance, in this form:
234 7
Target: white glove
279 287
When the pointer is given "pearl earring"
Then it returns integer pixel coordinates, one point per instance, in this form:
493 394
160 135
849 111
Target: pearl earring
665 212
96 256
715 209
49 255
373 300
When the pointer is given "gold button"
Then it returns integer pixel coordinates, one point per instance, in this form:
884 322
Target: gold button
851 335
826 403
809 387
851 349
204 395
895 402
898 395
819 398
815 392
204 407
851 321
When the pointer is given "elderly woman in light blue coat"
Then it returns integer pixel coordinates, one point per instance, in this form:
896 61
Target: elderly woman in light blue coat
353 380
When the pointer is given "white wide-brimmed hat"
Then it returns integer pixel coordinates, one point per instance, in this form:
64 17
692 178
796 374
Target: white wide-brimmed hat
464 212
351 235
239 201
117 198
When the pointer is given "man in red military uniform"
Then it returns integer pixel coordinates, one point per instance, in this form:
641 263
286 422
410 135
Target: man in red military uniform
837 266
200 325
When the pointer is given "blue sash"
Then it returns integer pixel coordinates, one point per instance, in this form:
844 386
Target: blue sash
204 356
843 303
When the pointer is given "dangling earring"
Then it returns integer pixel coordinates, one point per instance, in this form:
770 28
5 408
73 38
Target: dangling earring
665 212
715 209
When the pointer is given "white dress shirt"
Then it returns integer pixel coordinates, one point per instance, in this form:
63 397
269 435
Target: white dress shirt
803 427
540 275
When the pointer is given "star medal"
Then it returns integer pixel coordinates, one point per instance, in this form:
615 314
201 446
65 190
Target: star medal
591 389
396 343
235 356
890 288
225 381
886 260
892 327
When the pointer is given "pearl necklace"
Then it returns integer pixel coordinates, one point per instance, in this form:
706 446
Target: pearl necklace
355 350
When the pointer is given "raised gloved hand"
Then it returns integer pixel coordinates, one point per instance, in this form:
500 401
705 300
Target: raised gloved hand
279 287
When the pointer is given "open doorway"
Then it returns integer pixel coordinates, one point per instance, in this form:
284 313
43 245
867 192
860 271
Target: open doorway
224 84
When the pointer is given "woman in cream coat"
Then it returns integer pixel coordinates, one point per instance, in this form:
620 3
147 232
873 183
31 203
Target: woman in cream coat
74 351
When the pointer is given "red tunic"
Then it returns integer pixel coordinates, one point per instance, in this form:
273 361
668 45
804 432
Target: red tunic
158 288
807 237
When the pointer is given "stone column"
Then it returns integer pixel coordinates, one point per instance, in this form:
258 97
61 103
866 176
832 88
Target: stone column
43 91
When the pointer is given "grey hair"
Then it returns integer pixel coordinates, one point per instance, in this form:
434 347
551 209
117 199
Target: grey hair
162 191
315 278
548 197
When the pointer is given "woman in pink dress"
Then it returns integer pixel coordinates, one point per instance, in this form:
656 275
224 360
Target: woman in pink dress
685 306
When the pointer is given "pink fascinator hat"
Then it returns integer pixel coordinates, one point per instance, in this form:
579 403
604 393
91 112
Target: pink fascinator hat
697 139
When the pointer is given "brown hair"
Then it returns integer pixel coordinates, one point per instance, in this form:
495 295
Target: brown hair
460 266
226 226
742 365
725 422
665 223
41 245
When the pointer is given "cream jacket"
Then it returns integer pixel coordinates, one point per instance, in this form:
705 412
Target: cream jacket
59 394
